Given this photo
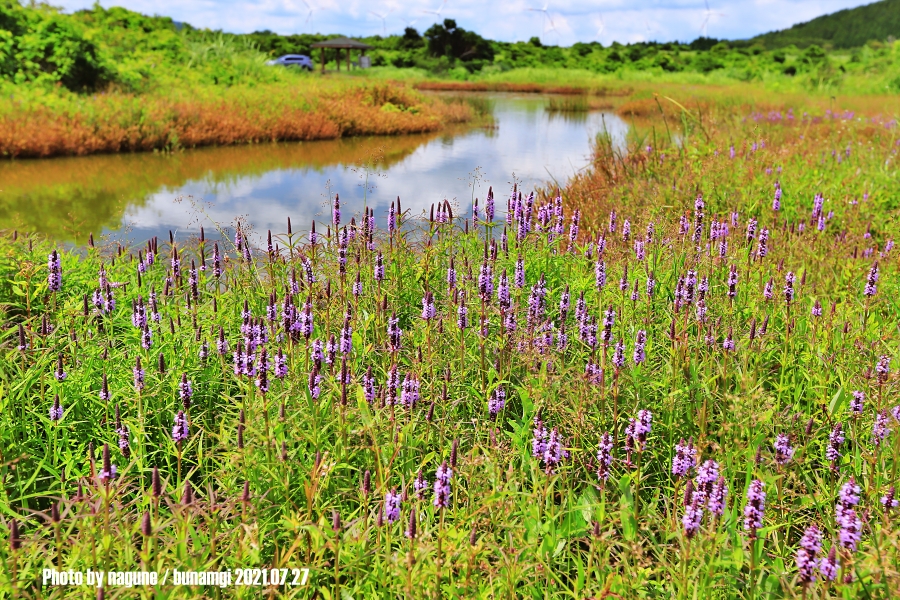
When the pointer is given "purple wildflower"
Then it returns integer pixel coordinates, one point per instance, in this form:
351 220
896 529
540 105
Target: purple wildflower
828 566
783 449
429 311
599 274
315 383
705 481
716 500
693 517
109 470
379 267
180 428
883 368
392 501
835 441
185 391
880 429
497 401
420 485
755 507
638 428
56 411
104 389
684 459
845 515
872 281
639 353
762 247
442 486
394 332
410 390
619 355
604 457
60 374
539 438
789 287
138 373
554 451
807 555
54 272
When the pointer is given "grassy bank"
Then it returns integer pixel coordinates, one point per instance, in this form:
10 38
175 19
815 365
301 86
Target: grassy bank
594 405
112 80
37 124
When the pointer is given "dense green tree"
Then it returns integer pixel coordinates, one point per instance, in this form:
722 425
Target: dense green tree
447 39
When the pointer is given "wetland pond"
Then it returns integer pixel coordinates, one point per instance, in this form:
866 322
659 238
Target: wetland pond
131 197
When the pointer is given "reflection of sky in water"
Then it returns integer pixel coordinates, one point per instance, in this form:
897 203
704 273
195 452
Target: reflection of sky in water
529 144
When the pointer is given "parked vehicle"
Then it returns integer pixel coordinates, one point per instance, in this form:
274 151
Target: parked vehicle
293 60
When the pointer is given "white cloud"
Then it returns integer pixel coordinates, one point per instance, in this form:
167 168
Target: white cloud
574 20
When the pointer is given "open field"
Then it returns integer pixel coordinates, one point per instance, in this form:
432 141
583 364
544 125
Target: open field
679 380
674 377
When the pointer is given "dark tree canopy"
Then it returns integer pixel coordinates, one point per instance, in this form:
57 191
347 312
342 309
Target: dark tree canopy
446 39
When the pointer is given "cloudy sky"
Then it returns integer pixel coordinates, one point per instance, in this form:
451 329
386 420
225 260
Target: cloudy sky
555 21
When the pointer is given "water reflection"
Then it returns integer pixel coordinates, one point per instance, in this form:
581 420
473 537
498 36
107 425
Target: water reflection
139 195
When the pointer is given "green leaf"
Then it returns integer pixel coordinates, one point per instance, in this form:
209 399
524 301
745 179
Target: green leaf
837 402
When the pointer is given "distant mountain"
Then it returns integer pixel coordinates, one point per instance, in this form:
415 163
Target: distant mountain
848 28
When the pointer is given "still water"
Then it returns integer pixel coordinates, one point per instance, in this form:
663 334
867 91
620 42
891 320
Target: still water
132 197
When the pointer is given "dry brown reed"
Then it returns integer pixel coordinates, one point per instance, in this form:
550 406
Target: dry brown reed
124 123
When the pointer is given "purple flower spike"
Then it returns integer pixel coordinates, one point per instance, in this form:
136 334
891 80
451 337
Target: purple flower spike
637 430
835 441
684 459
639 353
138 375
497 401
807 555
619 355
108 471
880 429
693 517
56 411
281 366
442 486
185 391
871 282
60 374
828 566
54 272
716 500
755 507
604 457
883 368
180 428
783 449
392 501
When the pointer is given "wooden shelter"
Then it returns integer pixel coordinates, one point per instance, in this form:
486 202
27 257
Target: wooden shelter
341 43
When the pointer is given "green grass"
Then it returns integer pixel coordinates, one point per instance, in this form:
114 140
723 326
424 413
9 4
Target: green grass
269 471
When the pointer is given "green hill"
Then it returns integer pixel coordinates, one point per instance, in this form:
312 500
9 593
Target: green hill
848 28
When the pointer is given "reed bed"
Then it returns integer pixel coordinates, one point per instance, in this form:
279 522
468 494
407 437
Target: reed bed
132 123
577 104
693 395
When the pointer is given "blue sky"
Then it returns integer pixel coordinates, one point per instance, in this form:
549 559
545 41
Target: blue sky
554 21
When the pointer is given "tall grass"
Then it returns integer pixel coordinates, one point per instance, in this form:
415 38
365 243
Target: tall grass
528 380
187 118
